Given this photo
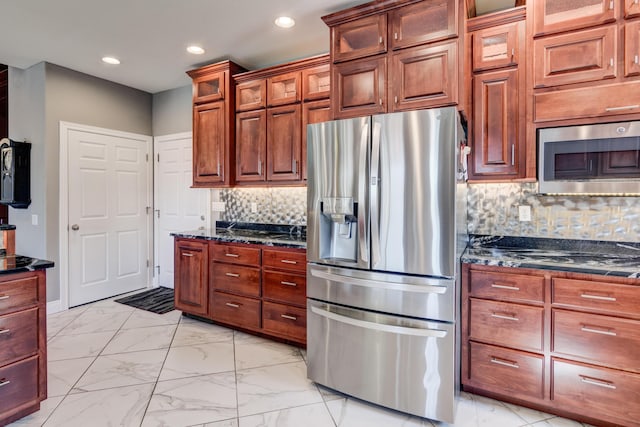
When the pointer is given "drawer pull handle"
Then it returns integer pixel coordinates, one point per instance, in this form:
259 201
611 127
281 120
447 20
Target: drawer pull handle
232 255
503 362
504 316
4 331
511 288
288 261
288 283
626 107
286 316
232 274
4 382
597 297
599 383
230 304
186 254
598 331
4 297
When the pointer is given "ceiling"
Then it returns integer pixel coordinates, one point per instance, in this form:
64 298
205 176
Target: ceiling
150 36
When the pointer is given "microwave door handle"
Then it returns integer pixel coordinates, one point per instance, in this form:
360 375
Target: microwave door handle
362 182
375 204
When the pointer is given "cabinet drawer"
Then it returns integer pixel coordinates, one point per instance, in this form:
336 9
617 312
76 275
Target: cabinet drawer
285 287
236 279
597 101
506 371
235 310
235 254
606 297
602 339
18 335
18 294
19 384
601 393
286 321
285 260
506 286
511 325
576 57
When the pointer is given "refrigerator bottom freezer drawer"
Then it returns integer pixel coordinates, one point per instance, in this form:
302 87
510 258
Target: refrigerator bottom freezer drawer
401 363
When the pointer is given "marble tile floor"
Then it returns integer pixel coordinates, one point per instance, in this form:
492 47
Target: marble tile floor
114 365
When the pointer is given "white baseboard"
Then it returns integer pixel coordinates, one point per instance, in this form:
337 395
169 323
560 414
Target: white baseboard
54 307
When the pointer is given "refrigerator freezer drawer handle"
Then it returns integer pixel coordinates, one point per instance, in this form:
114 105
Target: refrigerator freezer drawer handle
402 330
425 289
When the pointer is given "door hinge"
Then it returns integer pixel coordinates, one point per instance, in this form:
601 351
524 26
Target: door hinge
158 156
158 268
147 157
148 209
148 263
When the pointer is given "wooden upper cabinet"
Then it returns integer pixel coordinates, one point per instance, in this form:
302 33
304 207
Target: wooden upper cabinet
209 87
359 38
251 146
552 16
632 48
284 89
251 95
409 68
359 87
496 47
312 112
316 83
423 22
209 144
576 57
631 8
284 143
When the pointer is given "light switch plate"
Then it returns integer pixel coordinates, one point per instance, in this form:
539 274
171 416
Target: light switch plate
524 213
218 206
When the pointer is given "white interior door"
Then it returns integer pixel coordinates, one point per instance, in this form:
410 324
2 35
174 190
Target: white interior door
178 207
108 196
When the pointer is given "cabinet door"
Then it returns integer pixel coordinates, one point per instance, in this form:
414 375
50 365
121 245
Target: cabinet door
284 143
409 68
550 16
498 124
632 48
580 56
191 276
631 8
284 89
496 47
423 22
208 88
312 112
316 83
251 95
358 88
359 38
251 145
209 144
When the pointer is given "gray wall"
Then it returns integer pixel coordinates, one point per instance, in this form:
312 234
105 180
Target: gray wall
59 94
172 111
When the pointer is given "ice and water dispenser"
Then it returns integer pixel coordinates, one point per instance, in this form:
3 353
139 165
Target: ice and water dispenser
338 229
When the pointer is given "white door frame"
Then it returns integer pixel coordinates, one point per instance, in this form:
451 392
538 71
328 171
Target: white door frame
63 212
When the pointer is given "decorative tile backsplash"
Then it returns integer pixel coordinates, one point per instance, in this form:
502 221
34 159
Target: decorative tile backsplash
277 205
493 209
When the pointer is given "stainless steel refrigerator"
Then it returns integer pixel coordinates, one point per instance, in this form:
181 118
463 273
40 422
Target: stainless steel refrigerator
386 226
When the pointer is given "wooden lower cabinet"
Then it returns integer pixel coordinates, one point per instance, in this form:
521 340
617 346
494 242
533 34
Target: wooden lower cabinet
571 351
191 275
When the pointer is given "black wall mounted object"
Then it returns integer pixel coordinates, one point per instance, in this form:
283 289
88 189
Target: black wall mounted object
15 168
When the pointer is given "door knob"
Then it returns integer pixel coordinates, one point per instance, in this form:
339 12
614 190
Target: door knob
75 227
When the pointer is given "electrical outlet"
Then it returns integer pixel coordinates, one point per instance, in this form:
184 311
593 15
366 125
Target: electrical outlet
34 219
218 206
524 213
254 207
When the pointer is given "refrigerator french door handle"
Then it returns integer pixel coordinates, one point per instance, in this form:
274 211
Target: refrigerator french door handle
391 286
362 182
402 330
375 205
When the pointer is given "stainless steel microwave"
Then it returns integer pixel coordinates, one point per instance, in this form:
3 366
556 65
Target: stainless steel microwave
590 159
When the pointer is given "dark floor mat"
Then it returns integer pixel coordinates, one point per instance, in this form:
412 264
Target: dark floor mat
156 300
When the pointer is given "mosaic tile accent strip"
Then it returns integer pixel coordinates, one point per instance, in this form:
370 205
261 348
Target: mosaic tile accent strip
493 210
277 205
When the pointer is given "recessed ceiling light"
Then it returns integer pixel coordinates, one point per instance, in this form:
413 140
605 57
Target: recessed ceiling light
110 60
196 50
285 22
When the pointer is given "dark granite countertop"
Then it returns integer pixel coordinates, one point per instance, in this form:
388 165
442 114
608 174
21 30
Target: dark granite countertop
288 236
18 264
580 256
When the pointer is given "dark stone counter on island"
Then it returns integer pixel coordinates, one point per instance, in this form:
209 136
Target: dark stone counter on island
287 236
620 259
10 264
